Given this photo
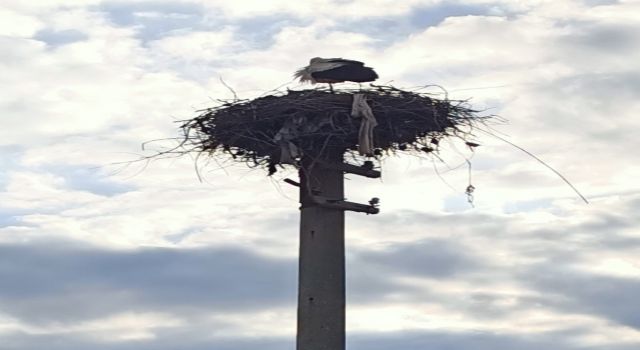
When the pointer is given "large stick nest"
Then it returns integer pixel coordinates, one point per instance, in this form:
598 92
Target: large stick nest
319 123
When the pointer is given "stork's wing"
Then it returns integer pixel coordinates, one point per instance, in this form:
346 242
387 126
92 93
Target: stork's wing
344 61
346 73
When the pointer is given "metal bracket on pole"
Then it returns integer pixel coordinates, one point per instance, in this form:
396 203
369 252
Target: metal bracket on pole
314 197
365 170
339 204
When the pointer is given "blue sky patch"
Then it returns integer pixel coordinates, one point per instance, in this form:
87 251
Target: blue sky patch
13 217
9 160
388 30
527 206
55 38
89 179
8 220
422 18
154 20
594 3
157 20
259 32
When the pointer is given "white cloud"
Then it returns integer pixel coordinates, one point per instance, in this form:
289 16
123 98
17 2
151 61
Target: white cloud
38 191
195 46
316 8
124 327
16 25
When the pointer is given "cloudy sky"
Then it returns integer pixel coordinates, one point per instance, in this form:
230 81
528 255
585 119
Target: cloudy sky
97 255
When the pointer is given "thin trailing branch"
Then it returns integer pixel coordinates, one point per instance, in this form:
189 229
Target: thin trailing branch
541 162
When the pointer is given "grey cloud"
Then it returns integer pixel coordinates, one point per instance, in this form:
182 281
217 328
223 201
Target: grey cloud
66 283
431 258
595 86
614 298
87 178
604 231
170 339
598 97
564 245
413 221
596 43
43 283
375 274
529 205
593 3
488 305
372 276
617 39
59 282
166 340
417 340
607 223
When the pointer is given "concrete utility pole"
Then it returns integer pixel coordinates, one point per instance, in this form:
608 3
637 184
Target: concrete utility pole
321 274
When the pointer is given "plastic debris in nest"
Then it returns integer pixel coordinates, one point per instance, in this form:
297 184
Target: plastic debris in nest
280 128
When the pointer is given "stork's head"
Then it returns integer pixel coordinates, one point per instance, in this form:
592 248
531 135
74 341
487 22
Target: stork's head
304 75
315 64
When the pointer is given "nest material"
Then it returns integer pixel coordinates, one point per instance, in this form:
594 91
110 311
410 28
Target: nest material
318 123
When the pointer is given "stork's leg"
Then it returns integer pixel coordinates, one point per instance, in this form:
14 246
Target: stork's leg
331 87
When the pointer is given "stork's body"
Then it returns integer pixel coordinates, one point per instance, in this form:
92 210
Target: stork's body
335 70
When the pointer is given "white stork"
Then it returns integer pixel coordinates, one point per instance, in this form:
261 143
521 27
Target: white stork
335 70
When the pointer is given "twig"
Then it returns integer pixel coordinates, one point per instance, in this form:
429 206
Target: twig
541 162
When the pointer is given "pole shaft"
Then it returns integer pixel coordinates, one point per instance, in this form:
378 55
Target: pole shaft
321 270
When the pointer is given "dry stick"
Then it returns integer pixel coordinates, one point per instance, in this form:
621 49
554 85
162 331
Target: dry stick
159 155
540 161
277 89
235 96
196 166
435 168
182 142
